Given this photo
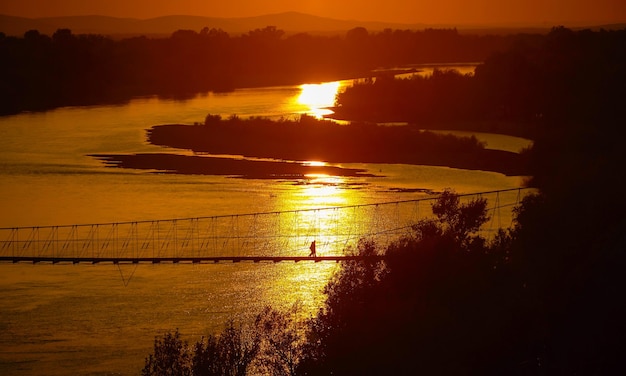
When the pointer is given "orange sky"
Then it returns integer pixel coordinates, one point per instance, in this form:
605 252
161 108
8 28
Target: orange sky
405 11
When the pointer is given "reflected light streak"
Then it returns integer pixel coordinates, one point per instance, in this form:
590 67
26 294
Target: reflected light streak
319 192
324 191
314 164
326 227
319 97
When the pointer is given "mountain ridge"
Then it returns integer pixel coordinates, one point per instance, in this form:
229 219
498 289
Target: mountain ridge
290 22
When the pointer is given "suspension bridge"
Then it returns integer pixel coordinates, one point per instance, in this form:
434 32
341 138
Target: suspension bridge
256 237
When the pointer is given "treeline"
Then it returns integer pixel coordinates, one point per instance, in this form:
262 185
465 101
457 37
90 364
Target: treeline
39 72
563 76
309 139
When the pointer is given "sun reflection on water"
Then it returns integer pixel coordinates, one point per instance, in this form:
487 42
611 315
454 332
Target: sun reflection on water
323 191
316 202
319 97
315 220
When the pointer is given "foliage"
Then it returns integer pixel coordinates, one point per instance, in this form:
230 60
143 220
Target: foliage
371 308
228 354
443 301
460 220
282 340
434 306
273 346
212 119
444 96
171 357
39 72
312 139
535 84
544 297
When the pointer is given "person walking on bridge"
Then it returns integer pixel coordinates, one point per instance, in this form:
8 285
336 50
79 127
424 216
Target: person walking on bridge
312 248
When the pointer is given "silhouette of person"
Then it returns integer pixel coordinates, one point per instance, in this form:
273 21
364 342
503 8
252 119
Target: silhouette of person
312 248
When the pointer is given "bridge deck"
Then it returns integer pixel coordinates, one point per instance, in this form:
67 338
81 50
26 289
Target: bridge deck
254 237
187 260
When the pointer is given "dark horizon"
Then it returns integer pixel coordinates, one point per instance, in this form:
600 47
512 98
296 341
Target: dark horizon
290 21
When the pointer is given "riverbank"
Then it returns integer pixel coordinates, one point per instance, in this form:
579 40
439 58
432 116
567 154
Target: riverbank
241 168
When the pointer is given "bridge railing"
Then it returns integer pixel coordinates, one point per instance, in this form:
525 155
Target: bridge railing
268 234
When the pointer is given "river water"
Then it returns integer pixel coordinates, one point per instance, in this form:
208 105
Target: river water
102 319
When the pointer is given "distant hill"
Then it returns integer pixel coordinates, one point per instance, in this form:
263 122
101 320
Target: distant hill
291 22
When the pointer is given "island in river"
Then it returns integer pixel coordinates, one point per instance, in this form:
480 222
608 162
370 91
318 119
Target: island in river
290 143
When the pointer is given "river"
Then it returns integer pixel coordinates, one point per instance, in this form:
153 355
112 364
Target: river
102 319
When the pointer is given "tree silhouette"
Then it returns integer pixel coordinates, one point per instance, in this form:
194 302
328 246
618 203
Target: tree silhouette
229 353
460 220
282 340
89 69
171 357
436 305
